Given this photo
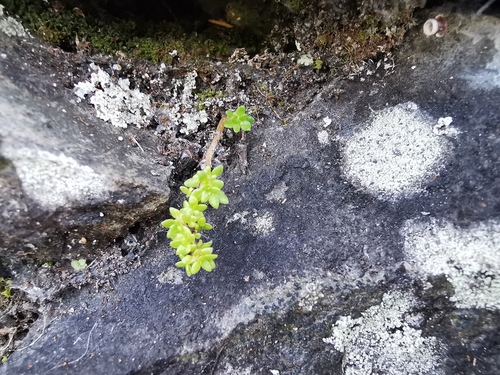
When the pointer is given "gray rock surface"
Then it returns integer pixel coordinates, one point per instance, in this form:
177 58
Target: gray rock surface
364 239
69 182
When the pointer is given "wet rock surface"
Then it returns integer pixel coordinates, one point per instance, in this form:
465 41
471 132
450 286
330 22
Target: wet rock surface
69 183
363 238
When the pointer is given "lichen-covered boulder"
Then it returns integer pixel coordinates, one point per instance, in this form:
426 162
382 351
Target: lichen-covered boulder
69 182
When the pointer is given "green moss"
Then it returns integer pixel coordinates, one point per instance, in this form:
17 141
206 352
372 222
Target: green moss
242 15
322 40
5 291
110 35
318 64
294 6
205 95
4 164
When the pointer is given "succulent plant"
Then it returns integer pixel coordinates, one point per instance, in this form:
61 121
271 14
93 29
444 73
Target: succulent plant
204 187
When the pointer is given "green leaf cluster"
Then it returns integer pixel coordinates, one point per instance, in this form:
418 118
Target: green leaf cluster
5 284
239 119
186 224
205 187
78 264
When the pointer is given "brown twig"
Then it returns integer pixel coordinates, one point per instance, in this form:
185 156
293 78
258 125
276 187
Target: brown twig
137 143
217 136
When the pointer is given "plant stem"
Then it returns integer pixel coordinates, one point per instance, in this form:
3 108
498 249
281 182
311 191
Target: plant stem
217 136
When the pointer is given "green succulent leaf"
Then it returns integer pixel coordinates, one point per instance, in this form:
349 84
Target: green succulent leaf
174 212
195 268
214 201
223 197
218 170
207 265
186 190
192 182
167 223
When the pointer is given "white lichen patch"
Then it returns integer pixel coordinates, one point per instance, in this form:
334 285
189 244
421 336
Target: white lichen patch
263 224
37 170
182 109
313 295
469 258
384 340
114 101
229 369
193 120
11 26
189 86
305 60
307 290
396 153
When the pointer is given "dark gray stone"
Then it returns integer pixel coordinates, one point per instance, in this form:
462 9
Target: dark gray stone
363 239
69 182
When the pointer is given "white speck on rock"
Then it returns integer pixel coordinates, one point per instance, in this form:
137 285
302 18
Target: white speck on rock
327 121
264 223
396 153
469 258
323 138
228 369
305 60
238 216
384 341
171 276
443 127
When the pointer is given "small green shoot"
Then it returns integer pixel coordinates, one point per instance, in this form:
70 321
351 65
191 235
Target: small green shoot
318 64
79 264
184 229
5 284
239 119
